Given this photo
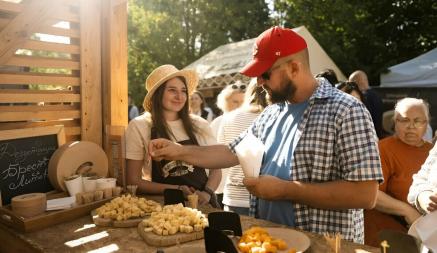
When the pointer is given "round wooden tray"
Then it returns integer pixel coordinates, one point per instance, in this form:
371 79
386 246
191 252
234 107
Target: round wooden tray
105 222
167 240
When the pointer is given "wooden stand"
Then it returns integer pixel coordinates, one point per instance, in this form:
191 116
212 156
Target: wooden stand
49 218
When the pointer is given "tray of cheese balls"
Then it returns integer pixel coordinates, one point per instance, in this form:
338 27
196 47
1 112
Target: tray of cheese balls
124 211
172 225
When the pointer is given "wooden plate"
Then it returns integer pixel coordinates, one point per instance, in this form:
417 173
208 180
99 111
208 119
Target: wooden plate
105 222
167 240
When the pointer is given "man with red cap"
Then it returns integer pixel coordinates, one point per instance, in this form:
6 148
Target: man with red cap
321 164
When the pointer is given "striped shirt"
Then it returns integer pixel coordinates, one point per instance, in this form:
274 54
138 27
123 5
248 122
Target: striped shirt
233 124
337 142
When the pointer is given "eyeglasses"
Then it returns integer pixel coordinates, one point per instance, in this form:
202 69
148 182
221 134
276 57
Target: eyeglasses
241 86
417 123
266 75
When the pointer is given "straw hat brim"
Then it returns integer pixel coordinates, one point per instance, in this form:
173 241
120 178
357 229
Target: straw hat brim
191 80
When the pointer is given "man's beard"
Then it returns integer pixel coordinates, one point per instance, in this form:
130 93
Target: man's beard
286 93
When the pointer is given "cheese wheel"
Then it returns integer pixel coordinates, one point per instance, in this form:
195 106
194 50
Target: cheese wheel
76 158
28 205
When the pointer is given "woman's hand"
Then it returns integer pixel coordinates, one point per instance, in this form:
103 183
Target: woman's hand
186 190
204 197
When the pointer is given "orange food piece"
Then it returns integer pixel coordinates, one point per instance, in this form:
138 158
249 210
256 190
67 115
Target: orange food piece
258 240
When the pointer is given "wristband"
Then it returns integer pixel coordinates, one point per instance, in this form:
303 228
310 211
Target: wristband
213 199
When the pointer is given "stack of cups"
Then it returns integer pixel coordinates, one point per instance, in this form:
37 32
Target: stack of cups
106 185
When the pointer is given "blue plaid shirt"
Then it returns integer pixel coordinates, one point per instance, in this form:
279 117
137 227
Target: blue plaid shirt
337 142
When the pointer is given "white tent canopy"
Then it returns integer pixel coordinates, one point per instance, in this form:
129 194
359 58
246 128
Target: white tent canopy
226 61
420 71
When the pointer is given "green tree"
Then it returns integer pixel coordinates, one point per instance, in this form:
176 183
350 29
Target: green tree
368 35
180 32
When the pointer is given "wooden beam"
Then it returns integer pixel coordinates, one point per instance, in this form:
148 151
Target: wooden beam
42 115
20 78
51 46
42 62
91 85
35 97
67 123
23 25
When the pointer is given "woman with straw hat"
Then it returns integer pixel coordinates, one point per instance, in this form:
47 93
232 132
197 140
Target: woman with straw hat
167 116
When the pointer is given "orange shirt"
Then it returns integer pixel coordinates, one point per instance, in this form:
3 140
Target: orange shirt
399 163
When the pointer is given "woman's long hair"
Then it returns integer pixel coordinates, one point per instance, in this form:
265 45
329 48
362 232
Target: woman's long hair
159 122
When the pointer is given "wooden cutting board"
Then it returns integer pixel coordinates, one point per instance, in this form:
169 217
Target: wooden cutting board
167 240
105 222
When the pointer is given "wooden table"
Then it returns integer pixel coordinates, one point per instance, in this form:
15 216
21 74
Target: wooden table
81 235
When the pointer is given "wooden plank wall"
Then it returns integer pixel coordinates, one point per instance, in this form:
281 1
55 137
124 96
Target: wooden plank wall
45 83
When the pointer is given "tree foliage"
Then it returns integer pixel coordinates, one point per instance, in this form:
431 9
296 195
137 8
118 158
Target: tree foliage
368 35
180 32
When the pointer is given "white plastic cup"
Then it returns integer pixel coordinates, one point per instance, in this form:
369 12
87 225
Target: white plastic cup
90 184
74 185
105 183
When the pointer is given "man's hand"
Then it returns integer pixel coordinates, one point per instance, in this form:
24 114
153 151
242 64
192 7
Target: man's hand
265 187
160 149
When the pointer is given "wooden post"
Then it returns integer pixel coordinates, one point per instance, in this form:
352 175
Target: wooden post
114 48
91 86
114 76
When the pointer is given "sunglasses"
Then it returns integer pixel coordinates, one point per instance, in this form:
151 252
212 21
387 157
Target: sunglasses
241 86
266 75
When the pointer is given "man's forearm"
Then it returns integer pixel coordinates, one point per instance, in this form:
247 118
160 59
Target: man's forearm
333 195
211 157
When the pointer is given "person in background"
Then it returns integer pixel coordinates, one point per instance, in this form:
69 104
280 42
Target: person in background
372 101
198 106
352 89
321 164
132 109
167 116
423 190
235 195
330 75
229 99
401 157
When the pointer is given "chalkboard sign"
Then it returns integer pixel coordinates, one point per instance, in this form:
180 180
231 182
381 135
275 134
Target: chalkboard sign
24 159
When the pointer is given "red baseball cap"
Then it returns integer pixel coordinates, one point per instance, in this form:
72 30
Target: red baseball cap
272 44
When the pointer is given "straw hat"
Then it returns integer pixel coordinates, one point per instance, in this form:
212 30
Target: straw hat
163 73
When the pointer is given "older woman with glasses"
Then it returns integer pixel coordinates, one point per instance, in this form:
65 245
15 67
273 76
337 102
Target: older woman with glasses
401 157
